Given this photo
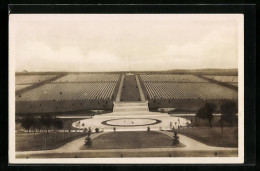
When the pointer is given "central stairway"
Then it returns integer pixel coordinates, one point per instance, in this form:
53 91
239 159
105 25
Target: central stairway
132 110
130 106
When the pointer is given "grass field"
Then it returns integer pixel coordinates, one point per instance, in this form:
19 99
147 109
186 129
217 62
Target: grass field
213 136
131 140
200 130
31 141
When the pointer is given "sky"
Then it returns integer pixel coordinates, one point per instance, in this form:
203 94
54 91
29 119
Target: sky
113 42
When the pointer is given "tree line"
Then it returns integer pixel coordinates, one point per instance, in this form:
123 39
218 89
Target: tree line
228 113
45 121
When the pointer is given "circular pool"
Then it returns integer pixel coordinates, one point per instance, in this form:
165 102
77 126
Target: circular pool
128 122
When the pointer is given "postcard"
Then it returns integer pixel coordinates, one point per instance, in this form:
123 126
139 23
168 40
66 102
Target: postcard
126 88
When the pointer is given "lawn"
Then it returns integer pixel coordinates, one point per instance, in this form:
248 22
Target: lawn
36 141
213 136
199 130
132 140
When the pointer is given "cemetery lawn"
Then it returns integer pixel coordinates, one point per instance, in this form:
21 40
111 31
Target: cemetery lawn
36 141
213 136
132 140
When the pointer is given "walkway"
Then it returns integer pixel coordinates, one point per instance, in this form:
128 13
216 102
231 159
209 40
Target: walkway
120 89
140 89
130 90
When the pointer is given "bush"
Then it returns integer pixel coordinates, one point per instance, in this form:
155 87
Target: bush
27 122
175 139
57 123
46 120
228 113
97 130
88 141
206 112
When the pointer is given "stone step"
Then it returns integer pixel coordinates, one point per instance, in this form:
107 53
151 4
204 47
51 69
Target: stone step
131 113
122 109
136 107
130 107
130 104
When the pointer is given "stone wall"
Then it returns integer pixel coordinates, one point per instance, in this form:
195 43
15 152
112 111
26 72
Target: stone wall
61 106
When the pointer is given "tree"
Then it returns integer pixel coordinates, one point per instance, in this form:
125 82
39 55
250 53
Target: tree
46 120
175 139
206 112
36 125
57 123
27 122
88 141
228 113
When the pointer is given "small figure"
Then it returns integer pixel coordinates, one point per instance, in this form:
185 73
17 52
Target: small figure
148 128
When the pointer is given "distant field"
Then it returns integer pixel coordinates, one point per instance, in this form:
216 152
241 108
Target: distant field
229 80
97 91
21 86
234 84
89 78
184 92
223 78
179 78
189 91
70 91
31 79
71 87
177 86
132 140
